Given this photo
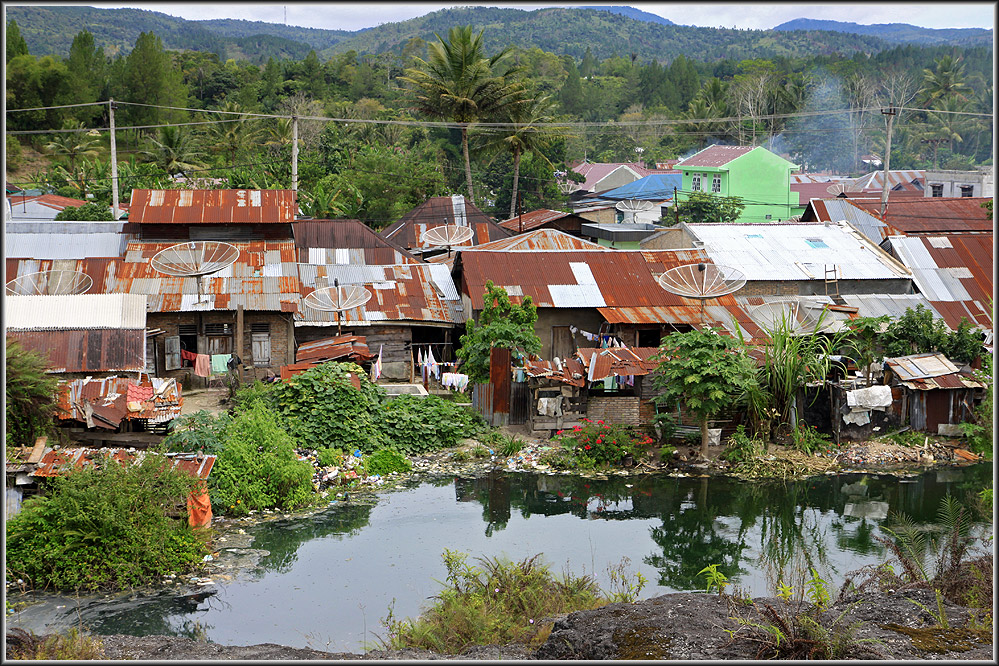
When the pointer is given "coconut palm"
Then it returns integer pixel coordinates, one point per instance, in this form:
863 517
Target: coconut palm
231 135
528 131
945 124
946 80
458 82
74 144
172 151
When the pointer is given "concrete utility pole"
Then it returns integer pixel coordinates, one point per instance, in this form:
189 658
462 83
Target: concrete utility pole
891 113
115 211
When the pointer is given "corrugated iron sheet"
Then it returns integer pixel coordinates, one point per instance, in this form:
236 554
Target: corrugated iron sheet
796 251
927 215
77 311
540 240
570 371
403 292
921 366
64 246
93 350
713 156
212 206
327 349
362 243
861 219
108 399
533 219
438 211
896 178
61 461
601 363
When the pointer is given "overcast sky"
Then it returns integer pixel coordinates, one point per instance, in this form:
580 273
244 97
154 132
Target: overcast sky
752 15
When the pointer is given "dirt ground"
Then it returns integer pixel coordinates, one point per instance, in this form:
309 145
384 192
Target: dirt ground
210 400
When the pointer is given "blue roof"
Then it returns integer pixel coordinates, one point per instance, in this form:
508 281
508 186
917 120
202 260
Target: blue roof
654 187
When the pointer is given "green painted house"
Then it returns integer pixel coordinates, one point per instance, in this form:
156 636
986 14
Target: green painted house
759 177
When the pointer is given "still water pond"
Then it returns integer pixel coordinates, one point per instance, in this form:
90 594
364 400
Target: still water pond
330 578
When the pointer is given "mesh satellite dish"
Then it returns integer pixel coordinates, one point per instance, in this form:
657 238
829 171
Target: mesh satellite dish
50 283
836 189
447 235
701 281
337 299
195 259
634 206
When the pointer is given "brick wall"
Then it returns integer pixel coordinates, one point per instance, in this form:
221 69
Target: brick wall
618 410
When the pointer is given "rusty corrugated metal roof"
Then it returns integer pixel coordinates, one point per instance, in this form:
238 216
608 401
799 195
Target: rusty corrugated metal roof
570 371
929 215
212 206
439 211
536 218
541 239
606 362
933 370
87 350
61 461
350 240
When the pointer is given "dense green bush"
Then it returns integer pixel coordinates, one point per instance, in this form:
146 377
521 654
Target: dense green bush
29 396
88 211
323 409
385 461
597 444
257 467
201 431
108 526
414 424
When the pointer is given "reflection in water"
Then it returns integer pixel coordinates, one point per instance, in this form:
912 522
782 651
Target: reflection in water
334 574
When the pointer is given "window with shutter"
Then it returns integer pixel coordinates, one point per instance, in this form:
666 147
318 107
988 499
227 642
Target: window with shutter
172 351
151 356
260 347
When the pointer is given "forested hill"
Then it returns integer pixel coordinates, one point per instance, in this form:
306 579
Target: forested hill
50 30
898 32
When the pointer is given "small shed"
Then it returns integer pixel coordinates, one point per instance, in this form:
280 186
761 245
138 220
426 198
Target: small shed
936 394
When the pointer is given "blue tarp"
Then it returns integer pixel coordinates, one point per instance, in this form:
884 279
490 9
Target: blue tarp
654 187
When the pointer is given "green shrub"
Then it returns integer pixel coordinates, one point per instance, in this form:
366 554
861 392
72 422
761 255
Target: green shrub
323 409
414 424
599 444
106 526
499 603
978 432
330 457
741 447
257 467
385 461
29 396
808 439
201 431
14 155
88 211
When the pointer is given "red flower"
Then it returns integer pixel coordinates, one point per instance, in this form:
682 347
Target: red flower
600 422
600 441
587 447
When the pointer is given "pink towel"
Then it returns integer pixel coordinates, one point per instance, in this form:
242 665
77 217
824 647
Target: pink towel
203 365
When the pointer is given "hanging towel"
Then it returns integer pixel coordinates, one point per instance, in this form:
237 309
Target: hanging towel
202 365
220 363
378 362
188 355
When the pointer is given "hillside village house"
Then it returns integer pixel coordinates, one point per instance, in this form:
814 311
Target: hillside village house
756 175
439 211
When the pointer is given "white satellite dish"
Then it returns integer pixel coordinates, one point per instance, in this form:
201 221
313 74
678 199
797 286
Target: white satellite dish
701 281
836 189
195 259
337 299
50 283
447 235
800 317
634 205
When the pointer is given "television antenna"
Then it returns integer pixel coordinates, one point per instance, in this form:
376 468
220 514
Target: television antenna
195 259
50 283
447 235
701 281
337 299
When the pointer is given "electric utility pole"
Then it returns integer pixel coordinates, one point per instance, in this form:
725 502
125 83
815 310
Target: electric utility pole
115 210
890 112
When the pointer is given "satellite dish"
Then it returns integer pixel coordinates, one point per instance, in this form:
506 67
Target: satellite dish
836 189
447 235
194 259
800 317
337 299
634 205
50 283
701 281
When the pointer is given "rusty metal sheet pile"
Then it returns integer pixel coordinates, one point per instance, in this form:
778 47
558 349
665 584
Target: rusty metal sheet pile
87 350
540 240
104 402
352 346
919 366
570 371
60 461
212 206
533 219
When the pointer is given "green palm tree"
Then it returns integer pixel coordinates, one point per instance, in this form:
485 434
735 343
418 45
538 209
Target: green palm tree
74 145
458 82
945 124
529 131
173 151
944 81
231 135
